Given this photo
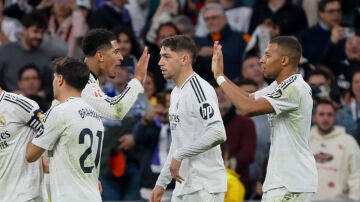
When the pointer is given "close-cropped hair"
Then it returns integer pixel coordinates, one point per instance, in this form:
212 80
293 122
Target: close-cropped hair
97 39
180 43
35 18
322 4
289 46
75 72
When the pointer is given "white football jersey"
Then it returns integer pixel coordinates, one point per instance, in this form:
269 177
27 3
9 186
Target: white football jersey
193 107
19 118
73 136
111 107
291 161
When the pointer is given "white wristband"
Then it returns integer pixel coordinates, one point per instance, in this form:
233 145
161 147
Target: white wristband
220 80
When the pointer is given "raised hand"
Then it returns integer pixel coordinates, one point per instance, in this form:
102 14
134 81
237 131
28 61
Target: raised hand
142 65
217 63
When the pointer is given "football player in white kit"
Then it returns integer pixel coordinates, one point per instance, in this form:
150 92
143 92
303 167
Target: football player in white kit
20 118
194 159
291 172
102 56
73 136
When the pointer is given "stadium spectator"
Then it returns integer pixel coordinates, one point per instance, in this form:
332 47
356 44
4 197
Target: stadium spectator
29 85
10 29
290 18
110 14
320 83
344 68
353 102
251 69
234 43
337 156
16 54
238 17
316 39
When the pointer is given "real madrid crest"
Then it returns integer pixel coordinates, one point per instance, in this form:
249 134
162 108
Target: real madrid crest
2 120
40 116
177 104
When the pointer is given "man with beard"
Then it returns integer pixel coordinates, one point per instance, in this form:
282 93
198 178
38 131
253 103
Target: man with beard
16 54
337 157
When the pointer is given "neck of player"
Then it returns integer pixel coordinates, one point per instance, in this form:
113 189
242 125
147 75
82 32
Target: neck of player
181 78
93 65
66 94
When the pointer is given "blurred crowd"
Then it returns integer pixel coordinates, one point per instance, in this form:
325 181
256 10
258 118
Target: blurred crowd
34 32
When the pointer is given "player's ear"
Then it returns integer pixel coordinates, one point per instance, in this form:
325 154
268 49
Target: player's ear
100 56
60 80
285 60
185 58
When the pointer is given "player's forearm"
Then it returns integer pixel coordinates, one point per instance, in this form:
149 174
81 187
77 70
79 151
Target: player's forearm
214 135
116 107
237 96
165 176
33 152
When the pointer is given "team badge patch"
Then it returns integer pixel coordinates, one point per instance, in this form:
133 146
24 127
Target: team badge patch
40 116
206 111
2 121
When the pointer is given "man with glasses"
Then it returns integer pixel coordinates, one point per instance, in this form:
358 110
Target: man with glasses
316 39
219 30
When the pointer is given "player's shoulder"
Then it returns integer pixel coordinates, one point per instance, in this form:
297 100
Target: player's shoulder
18 101
92 79
197 85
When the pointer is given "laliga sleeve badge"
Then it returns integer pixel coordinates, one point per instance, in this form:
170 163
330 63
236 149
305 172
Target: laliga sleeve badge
97 93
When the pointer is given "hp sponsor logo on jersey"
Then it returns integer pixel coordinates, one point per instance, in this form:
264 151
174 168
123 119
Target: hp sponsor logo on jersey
206 111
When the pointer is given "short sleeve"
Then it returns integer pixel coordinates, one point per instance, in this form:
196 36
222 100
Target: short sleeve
283 100
53 127
26 110
265 91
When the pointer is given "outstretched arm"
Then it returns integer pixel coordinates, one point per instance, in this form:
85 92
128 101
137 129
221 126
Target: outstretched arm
117 107
246 104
